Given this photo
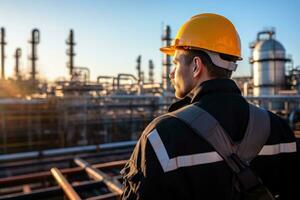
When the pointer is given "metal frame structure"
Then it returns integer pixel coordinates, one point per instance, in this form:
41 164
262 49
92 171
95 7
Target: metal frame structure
88 174
73 183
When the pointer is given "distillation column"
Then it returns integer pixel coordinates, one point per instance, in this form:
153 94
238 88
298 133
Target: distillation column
2 43
17 68
70 52
151 72
139 69
34 41
166 62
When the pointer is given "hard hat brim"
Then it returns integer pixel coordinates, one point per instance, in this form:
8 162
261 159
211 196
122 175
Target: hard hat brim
169 50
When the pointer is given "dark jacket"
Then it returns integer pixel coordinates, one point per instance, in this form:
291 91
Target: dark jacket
197 173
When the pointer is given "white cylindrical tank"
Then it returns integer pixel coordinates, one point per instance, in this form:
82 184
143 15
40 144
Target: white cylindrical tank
268 62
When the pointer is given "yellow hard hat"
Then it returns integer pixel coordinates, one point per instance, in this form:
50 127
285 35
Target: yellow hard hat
207 31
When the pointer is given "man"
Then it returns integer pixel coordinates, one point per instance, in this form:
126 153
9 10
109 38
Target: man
170 161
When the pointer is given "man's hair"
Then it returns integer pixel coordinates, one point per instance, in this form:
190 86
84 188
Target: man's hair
213 70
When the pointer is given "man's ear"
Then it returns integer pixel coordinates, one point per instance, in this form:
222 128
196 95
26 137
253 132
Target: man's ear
197 67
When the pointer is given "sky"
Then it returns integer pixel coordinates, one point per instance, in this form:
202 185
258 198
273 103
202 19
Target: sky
110 34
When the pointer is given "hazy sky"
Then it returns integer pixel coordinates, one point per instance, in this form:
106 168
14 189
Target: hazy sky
110 34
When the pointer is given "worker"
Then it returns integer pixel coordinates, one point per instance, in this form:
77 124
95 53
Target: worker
171 161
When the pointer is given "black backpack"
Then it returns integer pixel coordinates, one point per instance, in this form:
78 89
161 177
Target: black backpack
246 185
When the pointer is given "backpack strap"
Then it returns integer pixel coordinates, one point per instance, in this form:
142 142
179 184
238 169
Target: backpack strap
256 135
237 156
154 122
209 129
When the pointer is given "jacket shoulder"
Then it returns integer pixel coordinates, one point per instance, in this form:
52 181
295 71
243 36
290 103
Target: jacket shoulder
177 137
281 132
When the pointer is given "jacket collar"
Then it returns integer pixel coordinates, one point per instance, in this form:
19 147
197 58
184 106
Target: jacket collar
206 88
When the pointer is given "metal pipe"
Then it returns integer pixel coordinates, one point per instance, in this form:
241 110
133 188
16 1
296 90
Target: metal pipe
22 101
103 77
270 33
275 97
67 150
54 192
115 81
117 96
109 196
65 185
26 189
2 43
122 76
86 69
113 184
40 176
245 89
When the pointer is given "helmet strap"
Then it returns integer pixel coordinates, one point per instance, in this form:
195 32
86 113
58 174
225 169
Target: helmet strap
219 62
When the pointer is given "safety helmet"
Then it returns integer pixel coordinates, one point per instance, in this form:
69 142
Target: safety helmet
211 32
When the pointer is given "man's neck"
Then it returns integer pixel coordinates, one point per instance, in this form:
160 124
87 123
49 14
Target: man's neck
196 89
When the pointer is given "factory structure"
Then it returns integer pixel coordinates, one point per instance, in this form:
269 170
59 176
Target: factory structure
274 81
77 111
70 138
81 111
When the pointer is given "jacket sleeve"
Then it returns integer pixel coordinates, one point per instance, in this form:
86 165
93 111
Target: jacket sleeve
290 166
142 173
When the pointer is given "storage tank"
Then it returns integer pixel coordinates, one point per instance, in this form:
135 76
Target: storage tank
268 64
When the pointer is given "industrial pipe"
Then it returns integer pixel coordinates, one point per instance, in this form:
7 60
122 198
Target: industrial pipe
64 151
104 77
85 69
113 184
267 32
65 185
122 76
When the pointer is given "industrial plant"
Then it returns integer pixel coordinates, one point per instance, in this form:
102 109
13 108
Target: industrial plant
71 137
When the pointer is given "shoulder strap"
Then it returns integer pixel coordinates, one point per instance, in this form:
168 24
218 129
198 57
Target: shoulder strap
256 135
154 122
209 129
